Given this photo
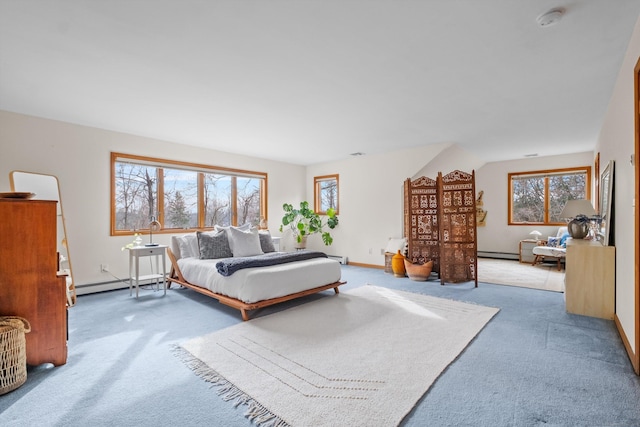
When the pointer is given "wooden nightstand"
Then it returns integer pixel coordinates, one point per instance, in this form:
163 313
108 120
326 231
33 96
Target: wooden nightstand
526 250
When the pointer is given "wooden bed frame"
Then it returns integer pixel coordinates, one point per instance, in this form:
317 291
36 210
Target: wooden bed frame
175 276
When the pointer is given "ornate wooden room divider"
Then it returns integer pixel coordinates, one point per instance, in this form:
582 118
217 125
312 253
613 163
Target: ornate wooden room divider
457 214
440 224
421 221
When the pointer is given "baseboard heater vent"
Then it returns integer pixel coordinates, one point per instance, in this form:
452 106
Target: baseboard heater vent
92 288
497 255
341 259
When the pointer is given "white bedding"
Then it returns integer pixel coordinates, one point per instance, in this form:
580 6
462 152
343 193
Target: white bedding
257 284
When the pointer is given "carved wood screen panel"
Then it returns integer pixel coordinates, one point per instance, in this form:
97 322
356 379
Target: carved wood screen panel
421 221
457 216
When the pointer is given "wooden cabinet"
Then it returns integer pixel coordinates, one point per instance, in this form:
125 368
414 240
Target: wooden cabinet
590 278
29 283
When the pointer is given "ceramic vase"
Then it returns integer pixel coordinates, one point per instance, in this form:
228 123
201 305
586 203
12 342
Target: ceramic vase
418 272
397 265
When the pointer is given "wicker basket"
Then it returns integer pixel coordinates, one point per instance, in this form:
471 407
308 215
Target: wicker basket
387 262
13 354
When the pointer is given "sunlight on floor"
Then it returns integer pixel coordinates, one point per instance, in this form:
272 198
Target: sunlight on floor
409 306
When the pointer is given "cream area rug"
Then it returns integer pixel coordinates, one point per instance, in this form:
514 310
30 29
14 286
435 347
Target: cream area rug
359 358
514 273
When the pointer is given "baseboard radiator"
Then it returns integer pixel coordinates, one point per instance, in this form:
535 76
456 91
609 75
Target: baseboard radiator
341 259
497 255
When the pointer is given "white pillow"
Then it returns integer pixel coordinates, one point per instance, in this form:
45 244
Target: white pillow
243 227
395 245
244 243
188 245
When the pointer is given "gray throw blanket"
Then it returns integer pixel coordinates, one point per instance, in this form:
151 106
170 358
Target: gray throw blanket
228 266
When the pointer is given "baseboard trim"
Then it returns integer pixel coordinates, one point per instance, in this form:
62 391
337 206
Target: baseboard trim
112 285
625 341
360 264
92 288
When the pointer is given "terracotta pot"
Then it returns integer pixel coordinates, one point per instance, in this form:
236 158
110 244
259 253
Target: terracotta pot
397 265
418 272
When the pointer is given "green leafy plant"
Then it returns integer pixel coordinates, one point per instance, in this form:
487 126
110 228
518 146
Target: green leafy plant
305 222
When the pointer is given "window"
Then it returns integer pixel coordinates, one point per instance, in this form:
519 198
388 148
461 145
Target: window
325 192
182 196
538 197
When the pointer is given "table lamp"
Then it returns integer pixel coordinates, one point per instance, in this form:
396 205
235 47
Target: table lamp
579 212
536 235
154 225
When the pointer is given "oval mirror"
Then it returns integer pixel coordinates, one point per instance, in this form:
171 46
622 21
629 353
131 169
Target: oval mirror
47 187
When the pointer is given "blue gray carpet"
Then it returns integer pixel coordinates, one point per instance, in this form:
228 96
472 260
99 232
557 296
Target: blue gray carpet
533 364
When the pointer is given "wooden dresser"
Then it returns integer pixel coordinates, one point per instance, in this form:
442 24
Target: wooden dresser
29 283
590 278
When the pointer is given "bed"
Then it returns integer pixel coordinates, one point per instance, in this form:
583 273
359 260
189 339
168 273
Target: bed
247 288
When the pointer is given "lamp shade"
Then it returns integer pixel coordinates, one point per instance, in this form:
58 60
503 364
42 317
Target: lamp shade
578 211
574 208
154 225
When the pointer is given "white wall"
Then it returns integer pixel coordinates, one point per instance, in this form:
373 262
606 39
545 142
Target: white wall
371 196
80 157
371 188
370 200
451 158
492 178
616 142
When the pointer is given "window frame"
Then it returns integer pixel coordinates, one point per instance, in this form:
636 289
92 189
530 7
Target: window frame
200 169
546 173
317 192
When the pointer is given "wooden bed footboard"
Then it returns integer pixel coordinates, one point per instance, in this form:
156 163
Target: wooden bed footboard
175 276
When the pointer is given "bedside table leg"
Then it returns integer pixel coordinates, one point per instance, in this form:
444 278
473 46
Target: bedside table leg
130 271
164 272
137 275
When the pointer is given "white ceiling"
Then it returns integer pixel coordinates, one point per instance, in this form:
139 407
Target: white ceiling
313 81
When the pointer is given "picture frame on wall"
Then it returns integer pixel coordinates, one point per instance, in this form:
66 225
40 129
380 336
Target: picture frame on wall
606 204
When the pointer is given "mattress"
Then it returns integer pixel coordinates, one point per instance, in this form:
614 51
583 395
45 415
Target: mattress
251 285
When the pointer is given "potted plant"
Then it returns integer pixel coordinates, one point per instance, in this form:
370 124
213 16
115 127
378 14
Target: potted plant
305 222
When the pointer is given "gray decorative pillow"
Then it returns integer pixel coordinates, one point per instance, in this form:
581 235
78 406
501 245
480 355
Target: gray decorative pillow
266 243
244 243
213 245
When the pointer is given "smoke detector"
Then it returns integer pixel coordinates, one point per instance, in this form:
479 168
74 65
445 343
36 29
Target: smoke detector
550 18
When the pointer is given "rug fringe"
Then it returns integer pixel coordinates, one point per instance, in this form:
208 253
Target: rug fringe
256 413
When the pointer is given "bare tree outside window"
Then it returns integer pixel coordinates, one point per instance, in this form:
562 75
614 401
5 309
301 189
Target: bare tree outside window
326 193
563 188
182 195
528 199
217 199
539 197
248 201
135 196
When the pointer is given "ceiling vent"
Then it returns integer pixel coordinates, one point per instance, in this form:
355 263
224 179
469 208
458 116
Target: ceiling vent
550 18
